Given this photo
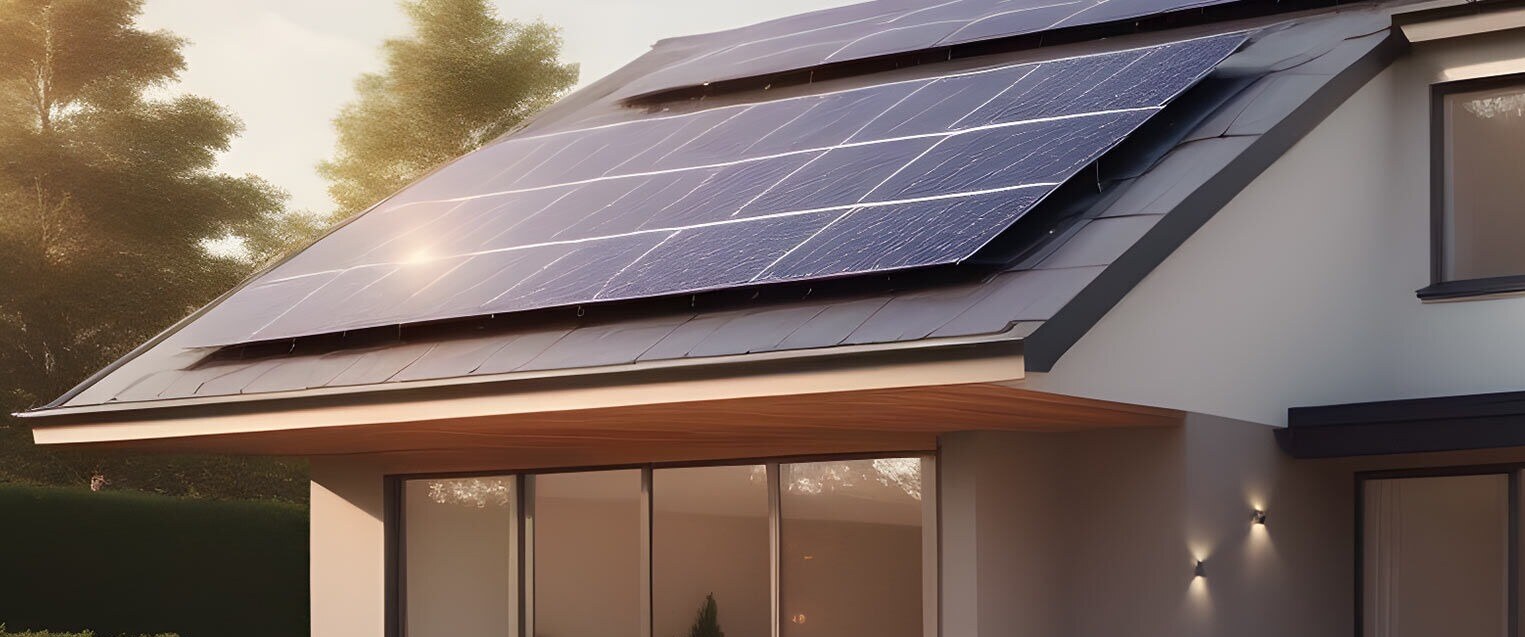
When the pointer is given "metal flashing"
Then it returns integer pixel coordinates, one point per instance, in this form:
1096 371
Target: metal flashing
1450 423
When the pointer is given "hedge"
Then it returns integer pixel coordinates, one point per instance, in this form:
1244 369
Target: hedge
45 633
126 563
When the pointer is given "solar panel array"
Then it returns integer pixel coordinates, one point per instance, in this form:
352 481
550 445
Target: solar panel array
881 28
892 176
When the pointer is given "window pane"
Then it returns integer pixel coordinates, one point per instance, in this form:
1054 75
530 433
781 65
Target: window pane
851 548
588 554
1485 223
460 543
1436 556
710 538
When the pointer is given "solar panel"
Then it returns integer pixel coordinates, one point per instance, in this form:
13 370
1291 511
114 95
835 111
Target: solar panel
880 28
897 175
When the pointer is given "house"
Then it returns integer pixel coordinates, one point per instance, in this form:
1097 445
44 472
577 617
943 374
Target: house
961 318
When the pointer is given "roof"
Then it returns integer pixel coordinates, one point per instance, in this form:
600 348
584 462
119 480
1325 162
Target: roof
1072 259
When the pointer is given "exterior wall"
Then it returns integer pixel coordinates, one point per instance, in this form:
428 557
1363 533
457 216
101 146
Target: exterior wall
348 542
1098 533
1045 534
1301 290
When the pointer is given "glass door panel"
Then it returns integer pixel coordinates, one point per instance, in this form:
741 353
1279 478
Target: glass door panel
851 548
461 546
587 543
710 553
1436 556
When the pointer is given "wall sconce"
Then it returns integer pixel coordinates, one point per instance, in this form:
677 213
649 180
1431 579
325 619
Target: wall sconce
1258 517
1200 570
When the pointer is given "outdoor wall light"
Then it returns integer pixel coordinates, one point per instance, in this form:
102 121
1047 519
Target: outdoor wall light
1258 517
1200 570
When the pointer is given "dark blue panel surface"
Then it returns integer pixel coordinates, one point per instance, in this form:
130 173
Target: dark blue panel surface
891 237
900 175
1013 20
1060 88
841 176
737 135
726 190
575 277
833 118
714 257
878 28
1045 152
938 105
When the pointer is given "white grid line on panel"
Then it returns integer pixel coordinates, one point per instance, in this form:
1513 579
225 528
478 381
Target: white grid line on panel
881 32
988 16
737 162
801 244
709 224
613 277
916 11
867 88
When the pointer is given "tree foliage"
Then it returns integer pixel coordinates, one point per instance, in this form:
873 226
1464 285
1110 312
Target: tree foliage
107 192
707 620
464 77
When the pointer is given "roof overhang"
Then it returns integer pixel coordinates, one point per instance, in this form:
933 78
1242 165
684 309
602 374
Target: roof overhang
873 399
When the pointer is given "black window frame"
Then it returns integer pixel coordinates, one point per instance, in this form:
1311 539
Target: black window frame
1439 288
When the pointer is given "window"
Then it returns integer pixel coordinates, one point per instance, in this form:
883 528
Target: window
1479 198
709 540
842 547
852 548
461 537
588 554
1438 553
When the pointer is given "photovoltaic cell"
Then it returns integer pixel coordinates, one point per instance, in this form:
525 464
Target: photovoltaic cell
881 28
900 175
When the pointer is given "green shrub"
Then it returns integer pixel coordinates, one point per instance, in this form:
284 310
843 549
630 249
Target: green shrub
123 563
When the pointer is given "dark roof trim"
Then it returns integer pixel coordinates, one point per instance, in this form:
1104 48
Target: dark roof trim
1055 337
932 351
1452 423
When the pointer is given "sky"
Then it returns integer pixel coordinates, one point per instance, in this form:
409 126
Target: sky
285 67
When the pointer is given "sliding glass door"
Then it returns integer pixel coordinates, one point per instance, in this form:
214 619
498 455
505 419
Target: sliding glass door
1436 555
844 548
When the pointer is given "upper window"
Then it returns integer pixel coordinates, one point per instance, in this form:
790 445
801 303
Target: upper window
1480 192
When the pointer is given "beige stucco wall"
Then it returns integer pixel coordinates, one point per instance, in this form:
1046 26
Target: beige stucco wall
1097 533
348 543
1300 291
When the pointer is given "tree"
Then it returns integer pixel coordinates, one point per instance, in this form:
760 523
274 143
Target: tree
107 192
707 620
463 78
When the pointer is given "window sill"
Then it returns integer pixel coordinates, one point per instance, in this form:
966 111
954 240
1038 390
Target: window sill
1472 288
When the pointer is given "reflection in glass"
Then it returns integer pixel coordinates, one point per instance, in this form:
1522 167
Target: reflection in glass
710 539
588 554
1485 131
1436 556
460 568
851 550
